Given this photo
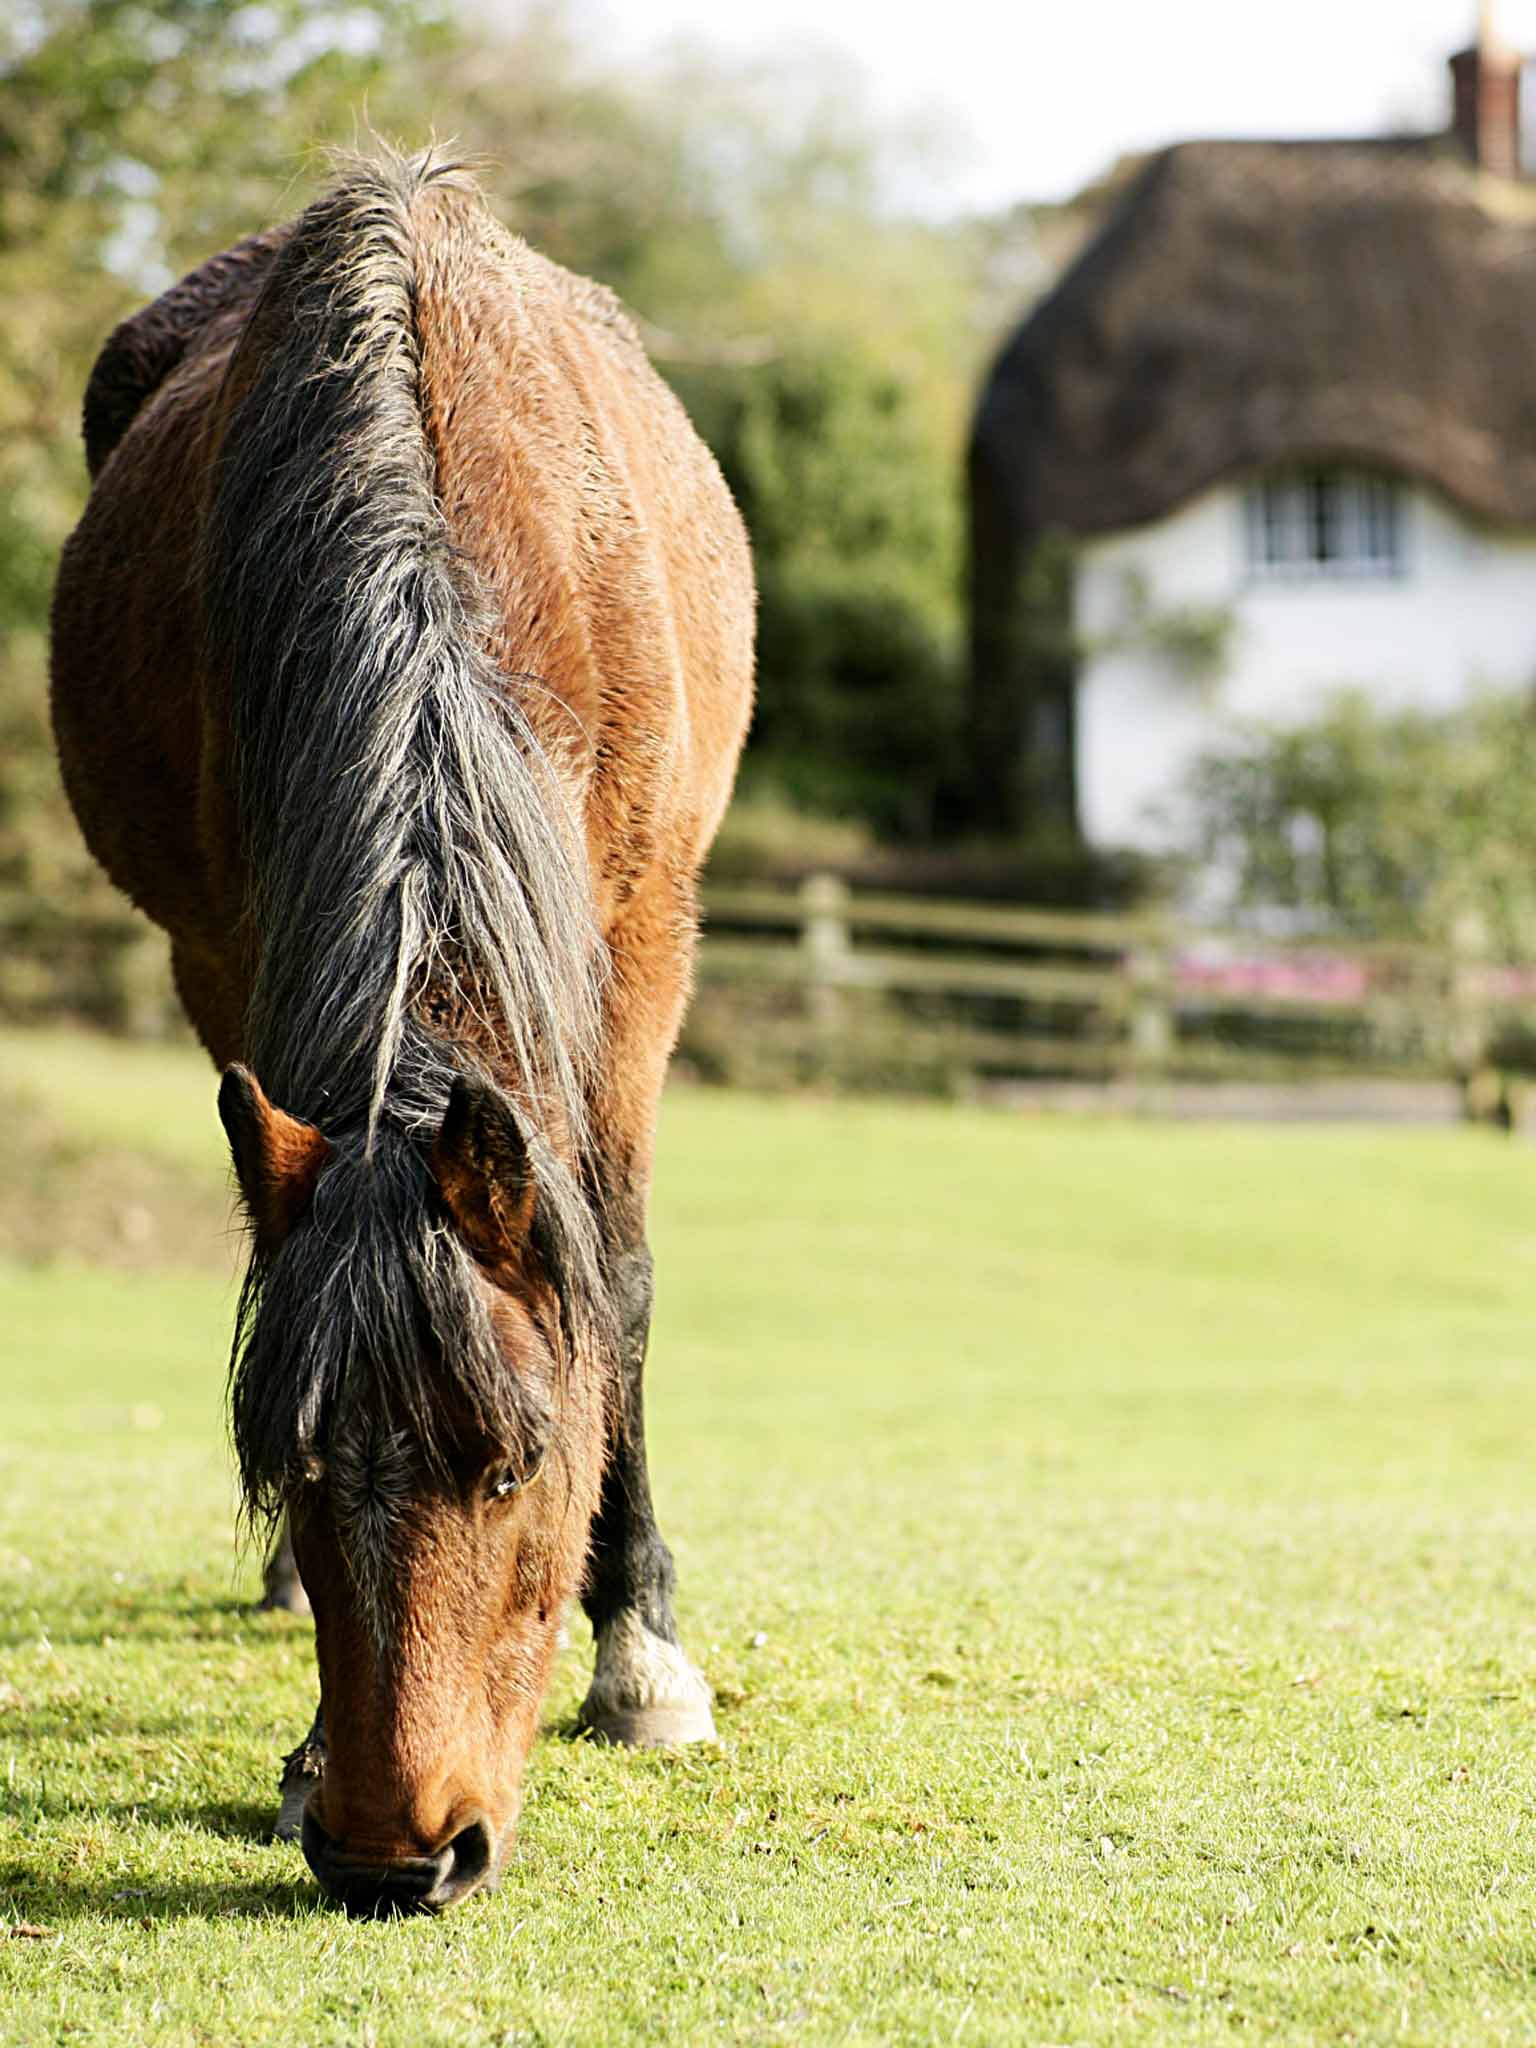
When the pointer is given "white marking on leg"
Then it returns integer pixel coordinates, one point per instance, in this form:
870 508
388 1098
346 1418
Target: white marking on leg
644 1691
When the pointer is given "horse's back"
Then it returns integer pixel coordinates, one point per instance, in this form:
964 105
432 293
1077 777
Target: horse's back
611 547
612 559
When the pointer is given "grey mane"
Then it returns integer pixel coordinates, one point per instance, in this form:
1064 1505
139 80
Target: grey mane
417 886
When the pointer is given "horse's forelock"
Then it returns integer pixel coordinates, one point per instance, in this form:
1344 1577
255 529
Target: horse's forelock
371 1325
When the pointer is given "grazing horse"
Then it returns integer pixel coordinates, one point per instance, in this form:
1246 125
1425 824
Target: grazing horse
401 662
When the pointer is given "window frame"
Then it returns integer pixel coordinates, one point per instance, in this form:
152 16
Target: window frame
1322 523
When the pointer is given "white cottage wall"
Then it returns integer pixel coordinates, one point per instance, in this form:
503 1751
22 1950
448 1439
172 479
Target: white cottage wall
1460 615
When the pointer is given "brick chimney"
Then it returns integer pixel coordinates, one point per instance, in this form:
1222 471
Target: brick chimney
1486 80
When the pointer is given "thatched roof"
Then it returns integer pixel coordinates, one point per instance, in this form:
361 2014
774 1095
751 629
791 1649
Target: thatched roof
1257 303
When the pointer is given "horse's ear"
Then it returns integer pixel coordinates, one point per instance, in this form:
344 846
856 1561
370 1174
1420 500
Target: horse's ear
277 1157
481 1165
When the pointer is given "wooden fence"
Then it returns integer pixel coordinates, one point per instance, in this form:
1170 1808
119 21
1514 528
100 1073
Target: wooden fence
824 981
998 990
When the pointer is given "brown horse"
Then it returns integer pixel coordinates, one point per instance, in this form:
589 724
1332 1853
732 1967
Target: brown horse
402 658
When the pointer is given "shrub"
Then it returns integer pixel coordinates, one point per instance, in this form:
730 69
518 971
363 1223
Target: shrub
1389 824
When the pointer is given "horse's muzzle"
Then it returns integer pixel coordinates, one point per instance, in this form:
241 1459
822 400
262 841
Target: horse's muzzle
411 1884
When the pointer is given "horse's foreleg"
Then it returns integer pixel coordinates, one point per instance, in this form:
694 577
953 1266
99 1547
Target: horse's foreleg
281 1585
302 1771
644 1691
301 1767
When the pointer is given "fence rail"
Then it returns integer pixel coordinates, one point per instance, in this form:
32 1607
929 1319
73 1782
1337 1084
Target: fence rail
832 981
997 990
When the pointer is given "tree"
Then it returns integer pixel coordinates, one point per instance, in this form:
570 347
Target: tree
852 516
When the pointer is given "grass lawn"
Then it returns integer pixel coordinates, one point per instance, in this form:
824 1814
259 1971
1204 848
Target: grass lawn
1114 1549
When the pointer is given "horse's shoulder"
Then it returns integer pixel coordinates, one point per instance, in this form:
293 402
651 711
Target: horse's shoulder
143 350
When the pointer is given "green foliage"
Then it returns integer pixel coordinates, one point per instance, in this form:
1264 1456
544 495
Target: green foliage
1382 823
842 451
858 704
1106 1543
851 501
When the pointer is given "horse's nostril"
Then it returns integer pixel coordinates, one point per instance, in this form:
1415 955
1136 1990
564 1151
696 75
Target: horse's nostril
469 1854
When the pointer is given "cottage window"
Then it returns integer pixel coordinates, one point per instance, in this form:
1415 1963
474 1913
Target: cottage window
1323 523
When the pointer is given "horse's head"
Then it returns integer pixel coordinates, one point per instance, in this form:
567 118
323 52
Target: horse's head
415 1389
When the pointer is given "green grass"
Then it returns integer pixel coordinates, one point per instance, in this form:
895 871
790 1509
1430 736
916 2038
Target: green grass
1114 1548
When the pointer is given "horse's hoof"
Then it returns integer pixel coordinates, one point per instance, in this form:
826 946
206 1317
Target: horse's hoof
650 1727
289 1825
644 1692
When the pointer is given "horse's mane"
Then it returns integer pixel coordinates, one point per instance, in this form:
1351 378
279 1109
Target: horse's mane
418 898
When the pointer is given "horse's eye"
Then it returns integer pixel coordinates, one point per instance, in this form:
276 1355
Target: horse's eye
510 1479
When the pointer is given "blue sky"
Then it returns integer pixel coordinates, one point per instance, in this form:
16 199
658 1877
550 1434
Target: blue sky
1037 98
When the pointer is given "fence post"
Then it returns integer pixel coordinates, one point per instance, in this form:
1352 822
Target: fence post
824 941
1470 1030
1149 969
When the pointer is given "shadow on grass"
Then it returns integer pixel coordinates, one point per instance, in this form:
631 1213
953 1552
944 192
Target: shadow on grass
666 1759
58 1896
154 1618
54 1902
230 1820
566 1728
